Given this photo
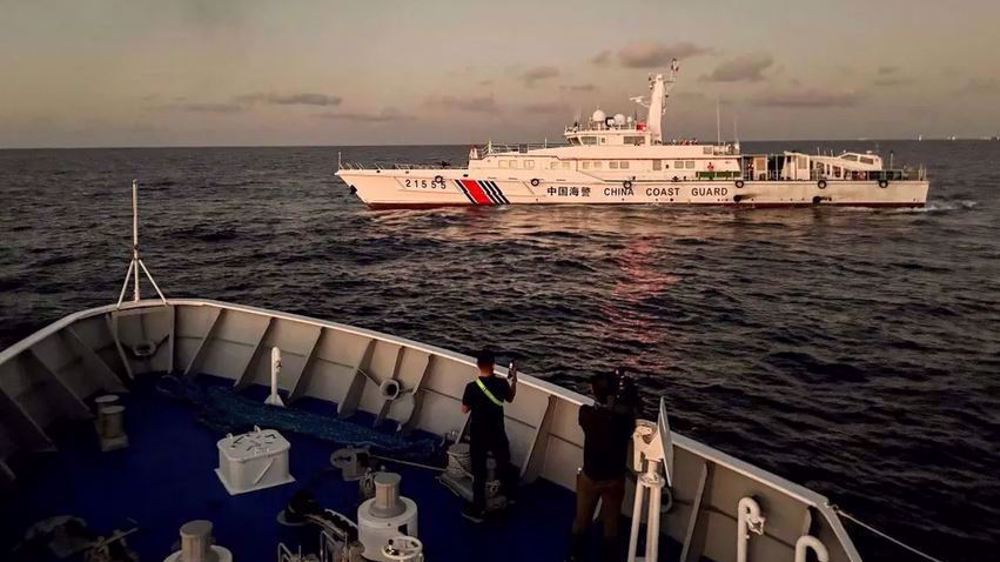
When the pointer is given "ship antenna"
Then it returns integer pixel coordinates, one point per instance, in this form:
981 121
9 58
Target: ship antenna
136 263
718 124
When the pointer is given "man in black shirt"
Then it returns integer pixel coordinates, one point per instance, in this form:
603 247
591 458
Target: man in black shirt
607 432
483 401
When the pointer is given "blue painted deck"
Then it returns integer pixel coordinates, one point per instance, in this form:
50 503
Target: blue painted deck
165 478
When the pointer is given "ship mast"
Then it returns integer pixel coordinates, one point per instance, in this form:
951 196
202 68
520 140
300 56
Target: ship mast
136 263
660 90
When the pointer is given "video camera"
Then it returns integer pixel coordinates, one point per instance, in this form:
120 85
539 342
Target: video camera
624 397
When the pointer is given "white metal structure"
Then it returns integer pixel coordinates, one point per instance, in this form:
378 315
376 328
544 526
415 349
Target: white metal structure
622 160
649 458
253 461
132 274
274 399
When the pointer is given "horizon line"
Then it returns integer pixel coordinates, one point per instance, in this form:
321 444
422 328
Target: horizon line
161 146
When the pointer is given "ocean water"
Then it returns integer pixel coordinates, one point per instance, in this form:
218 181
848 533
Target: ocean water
856 352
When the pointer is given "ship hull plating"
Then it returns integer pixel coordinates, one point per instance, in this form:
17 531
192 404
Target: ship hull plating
384 189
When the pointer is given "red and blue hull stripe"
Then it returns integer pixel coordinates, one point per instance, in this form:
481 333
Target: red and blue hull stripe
482 192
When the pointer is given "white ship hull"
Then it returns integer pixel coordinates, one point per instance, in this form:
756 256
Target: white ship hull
427 188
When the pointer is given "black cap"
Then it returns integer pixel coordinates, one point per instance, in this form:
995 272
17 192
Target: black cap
485 357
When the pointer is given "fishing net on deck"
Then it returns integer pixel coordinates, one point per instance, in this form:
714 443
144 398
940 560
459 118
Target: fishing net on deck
224 410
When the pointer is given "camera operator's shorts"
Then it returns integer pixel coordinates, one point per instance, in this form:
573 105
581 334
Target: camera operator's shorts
610 492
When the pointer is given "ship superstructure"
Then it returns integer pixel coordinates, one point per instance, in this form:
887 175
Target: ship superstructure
615 159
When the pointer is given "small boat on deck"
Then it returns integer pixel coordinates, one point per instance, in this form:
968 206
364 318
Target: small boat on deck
123 424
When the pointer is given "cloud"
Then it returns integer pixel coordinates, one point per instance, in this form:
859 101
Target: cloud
196 107
305 98
807 99
888 76
482 104
245 101
538 73
545 107
579 88
647 54
384 116
748 68
888 81
689 96
981 86
602 58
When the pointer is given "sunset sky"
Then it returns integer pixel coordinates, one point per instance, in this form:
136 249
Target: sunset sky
138 73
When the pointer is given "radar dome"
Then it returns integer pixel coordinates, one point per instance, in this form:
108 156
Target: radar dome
619 119
598 116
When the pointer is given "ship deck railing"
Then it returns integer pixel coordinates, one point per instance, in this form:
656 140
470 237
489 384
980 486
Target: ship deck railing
439 165
517 148
918 173
601 127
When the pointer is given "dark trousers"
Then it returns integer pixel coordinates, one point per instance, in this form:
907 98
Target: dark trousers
481 444
611 493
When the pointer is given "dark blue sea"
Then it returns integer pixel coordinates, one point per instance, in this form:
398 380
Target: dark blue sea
856 352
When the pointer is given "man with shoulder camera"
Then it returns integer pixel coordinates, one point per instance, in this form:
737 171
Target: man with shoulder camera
607 428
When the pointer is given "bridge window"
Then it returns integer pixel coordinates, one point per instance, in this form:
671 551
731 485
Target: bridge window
513 163
565 165
867 160
613 164
589 140
586 165
679 164
554 164
503 163
657 165
637 141
623 164
597 164
574 140
689 164
529 164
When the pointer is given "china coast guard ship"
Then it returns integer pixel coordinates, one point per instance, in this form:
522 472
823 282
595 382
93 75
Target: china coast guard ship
614 159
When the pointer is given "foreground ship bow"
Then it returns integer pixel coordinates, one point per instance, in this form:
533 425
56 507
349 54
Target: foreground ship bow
619 160
125 414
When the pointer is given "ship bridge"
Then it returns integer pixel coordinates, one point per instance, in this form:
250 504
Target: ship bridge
604 130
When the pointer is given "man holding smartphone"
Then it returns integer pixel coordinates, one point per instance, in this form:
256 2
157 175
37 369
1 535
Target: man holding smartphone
483 401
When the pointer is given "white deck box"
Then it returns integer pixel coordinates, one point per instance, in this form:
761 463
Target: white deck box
253 461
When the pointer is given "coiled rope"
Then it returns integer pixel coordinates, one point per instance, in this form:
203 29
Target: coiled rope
879 533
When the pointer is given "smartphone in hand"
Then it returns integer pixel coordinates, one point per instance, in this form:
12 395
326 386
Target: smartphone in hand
512 370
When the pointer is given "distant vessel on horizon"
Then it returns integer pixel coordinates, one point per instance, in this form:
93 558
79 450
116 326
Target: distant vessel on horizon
615 159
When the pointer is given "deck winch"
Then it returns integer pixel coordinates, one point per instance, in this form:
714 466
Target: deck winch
386 517
457 477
